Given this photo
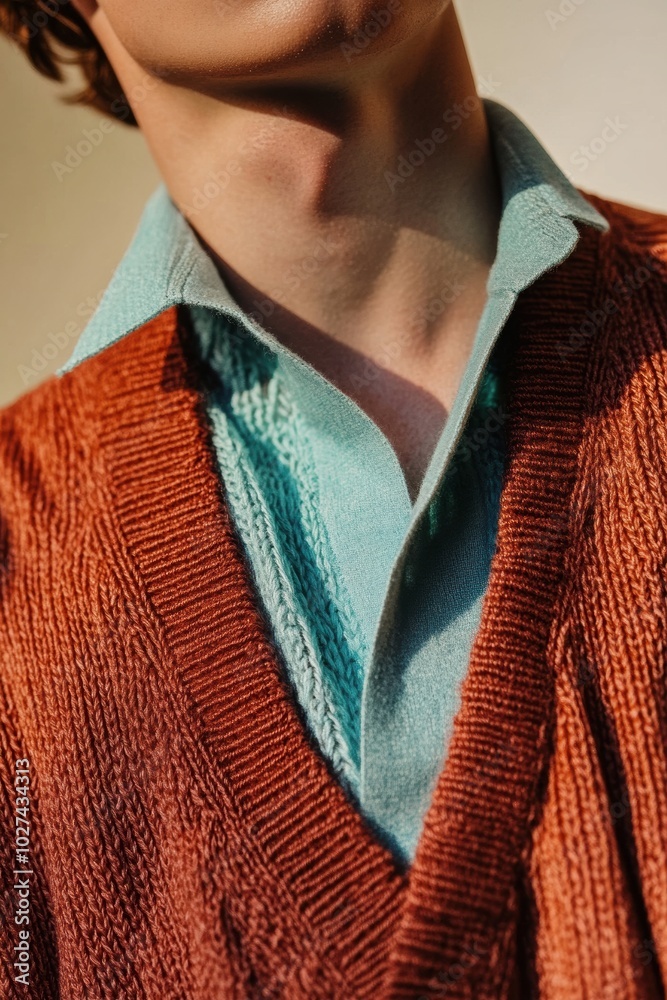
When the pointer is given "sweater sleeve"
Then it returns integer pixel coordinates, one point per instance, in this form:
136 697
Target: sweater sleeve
28 958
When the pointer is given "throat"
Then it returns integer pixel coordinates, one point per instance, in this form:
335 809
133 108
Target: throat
411 418
409 399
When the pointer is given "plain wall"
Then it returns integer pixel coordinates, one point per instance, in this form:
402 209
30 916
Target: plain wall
565 67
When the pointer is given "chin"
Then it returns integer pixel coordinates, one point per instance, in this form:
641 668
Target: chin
205 43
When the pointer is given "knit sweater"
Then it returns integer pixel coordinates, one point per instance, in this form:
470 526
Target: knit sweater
374 601
186 840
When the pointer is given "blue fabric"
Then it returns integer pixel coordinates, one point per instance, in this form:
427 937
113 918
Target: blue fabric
374 602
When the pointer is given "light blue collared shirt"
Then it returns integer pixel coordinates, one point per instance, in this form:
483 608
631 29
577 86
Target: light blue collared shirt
373 602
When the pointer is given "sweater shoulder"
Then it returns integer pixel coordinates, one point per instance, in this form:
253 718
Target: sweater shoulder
41 442
634 230
50 437
54 438
632 276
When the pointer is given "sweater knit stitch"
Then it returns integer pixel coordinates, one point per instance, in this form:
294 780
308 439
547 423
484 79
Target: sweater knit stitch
187 840
353 577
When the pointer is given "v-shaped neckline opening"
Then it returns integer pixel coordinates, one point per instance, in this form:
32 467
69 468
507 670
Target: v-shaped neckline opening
414 917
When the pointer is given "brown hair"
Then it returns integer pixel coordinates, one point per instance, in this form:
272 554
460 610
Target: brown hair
53 35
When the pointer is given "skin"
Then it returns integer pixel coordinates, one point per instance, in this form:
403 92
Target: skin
302 113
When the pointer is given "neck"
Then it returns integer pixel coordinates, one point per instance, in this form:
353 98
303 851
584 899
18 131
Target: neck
355 216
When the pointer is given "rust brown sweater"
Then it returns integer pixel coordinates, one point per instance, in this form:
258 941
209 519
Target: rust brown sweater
186 841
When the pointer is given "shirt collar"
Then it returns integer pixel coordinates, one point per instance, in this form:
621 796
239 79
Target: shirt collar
166 265
540 206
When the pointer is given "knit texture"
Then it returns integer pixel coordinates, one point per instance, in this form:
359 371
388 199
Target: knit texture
262 446
415 593
188 841
272 490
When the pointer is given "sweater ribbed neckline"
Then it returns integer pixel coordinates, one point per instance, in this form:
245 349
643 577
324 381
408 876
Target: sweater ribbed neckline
382 930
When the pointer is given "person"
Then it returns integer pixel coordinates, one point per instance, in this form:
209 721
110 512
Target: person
333 617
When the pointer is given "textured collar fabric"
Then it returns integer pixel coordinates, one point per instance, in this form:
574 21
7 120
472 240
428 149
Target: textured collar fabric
165 264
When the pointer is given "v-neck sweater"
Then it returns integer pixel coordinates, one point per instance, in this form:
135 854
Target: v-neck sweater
187 840
373 603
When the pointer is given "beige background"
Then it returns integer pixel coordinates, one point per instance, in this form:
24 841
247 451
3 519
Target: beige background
564 65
